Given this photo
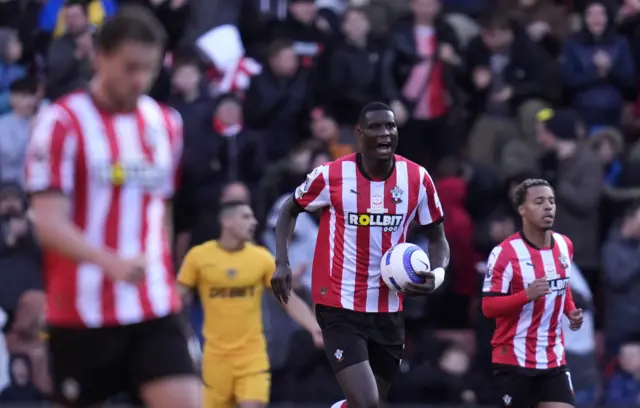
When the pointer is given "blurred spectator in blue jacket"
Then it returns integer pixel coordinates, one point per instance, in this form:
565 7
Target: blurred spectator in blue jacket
10 69
623 388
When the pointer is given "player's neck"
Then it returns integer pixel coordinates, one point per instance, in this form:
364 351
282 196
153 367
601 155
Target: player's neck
102 100
537 237
230 244
375 168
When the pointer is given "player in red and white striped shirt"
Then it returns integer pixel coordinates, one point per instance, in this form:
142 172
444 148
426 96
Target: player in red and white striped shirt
527 291
368 202
101 166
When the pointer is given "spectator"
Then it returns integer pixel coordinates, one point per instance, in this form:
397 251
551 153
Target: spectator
504 73
354 75
70 56
621 278
54 15
577 179
339 143
419 70
598 68
623 387
278 101
546 23
10 69
190 97
21 389
14 129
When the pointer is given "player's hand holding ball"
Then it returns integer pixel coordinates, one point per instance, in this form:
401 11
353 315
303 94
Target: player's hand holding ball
537 289
575 319
406 268
281 283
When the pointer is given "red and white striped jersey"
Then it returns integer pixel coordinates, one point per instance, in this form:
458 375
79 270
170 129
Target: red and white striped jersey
118 171
532 338
361 219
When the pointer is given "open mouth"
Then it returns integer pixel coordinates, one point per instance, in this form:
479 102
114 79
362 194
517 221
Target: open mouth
384 147
548 218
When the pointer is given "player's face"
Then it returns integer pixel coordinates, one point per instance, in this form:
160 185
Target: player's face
243 223
129 71
539 207
379 134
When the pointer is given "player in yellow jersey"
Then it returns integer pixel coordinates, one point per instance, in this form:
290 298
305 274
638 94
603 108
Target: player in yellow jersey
230 276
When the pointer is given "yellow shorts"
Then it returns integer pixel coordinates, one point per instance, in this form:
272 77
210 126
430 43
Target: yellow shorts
232 380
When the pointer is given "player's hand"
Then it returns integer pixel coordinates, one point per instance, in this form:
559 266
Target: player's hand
130 270
419 289
537 289
316 336
575 319
281 283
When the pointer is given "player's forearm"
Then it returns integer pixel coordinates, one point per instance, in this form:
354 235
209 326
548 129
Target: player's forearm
439 251
502 306
58 233
301 313
284 231
569 304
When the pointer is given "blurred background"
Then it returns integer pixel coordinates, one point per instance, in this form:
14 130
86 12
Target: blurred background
486 93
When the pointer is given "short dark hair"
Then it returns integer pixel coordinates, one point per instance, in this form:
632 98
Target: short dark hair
24 85
84 4
278 45
186 57
494 20
131 23
227 206
372 107
520 193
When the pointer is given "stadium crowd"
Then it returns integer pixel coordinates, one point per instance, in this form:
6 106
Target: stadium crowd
487 93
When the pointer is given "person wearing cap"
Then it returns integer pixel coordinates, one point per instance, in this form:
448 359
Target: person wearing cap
577 183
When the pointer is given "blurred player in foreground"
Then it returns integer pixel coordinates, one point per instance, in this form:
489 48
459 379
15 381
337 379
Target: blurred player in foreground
527 291
368 202
230 275
101 166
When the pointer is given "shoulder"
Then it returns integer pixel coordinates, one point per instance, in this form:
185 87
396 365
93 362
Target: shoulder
506 248
152 108
564 242
203 250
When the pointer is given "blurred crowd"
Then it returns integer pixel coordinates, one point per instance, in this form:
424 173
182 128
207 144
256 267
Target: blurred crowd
486 93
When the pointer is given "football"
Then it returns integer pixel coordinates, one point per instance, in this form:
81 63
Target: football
403 263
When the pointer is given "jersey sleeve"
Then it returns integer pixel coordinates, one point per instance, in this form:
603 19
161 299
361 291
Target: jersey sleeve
314 194
51 152
497 281
269 268
189 274
429 207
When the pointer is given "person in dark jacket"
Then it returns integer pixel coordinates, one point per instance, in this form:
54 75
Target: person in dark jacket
21 388
598 69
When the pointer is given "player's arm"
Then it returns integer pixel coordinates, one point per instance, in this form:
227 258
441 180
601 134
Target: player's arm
50 179
189 276
310 196
569 304
498 301
431 217
302 314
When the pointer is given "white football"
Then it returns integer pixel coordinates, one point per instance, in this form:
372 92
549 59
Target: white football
404 263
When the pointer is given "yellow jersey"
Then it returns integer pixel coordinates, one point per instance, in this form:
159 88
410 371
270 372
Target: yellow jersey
230 285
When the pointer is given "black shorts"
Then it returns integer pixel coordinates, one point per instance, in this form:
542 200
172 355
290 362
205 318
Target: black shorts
353 337
516 390
91 365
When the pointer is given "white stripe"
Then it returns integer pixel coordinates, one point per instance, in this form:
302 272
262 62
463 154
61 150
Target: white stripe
507 277
402 177
349 204
524 321
156 273
90 276
127 301
375 246
545 321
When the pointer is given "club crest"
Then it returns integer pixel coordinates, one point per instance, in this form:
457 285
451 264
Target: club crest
231 273
396 195
564 261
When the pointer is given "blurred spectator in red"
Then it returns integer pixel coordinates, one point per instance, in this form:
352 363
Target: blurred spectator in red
69 60
419 71
279 100
10 69
354 74
15 127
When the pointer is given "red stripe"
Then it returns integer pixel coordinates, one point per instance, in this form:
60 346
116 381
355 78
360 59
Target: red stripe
507 327
112 225
316 187
143 288
336 185
389 184
59 137
61 272
538 310
363 244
